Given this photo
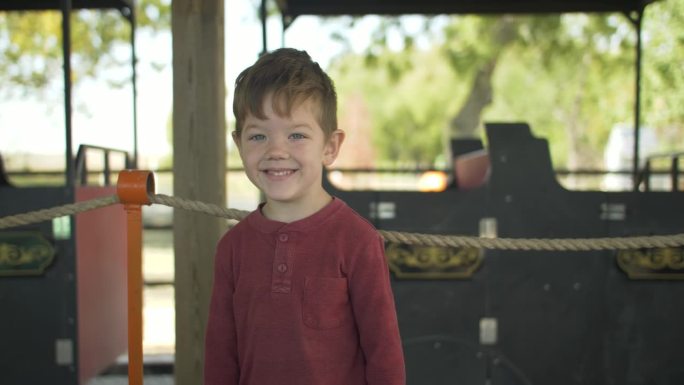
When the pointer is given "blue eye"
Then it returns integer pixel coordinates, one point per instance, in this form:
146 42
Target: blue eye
297 135
256 137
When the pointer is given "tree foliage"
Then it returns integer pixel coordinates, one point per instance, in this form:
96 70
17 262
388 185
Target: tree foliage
572 77
31 43
408 113
664 78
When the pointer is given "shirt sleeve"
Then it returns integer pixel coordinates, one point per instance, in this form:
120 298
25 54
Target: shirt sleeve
376 317
220 351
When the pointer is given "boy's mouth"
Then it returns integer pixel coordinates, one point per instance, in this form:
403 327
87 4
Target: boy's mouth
278 172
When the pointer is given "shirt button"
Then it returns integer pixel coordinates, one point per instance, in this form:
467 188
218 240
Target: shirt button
282 268
283 237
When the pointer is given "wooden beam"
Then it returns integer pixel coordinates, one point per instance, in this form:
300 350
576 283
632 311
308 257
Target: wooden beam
199 150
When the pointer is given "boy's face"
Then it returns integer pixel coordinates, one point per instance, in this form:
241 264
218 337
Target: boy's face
284 156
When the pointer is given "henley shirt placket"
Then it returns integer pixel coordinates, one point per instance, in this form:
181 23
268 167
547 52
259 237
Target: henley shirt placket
282 266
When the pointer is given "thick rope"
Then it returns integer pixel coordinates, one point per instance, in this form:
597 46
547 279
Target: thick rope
200 207
549 244
56 212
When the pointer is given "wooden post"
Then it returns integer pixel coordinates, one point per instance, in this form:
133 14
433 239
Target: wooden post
199 160
133 188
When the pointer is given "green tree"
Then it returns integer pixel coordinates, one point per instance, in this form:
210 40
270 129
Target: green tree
664 75
570 76
407 123
31 44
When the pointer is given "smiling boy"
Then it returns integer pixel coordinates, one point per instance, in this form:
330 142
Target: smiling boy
301 287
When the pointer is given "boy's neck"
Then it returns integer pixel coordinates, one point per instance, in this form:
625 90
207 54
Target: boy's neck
288 212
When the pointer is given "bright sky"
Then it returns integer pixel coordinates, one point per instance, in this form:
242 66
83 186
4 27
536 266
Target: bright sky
38 127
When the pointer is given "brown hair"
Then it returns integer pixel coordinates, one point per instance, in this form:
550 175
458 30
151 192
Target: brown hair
293 77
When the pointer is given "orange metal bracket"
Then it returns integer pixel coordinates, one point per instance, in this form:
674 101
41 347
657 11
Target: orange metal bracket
133 189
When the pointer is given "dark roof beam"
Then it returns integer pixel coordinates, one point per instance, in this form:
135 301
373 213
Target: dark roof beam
56 5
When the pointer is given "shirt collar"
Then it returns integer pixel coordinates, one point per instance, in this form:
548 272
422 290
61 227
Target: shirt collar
257 219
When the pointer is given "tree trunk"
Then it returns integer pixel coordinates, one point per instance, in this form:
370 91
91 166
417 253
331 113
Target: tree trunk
465 123
574 127
199 169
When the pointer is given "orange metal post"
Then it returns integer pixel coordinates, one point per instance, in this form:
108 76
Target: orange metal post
133 188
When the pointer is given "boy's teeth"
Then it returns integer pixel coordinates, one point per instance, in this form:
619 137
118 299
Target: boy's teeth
280 173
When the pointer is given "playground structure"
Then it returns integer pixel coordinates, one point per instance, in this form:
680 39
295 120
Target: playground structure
472 315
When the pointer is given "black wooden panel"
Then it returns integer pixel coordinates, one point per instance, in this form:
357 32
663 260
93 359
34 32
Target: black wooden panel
35 311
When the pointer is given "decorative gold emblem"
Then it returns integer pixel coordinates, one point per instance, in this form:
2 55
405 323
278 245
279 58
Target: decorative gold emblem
431 262
24 253
663 263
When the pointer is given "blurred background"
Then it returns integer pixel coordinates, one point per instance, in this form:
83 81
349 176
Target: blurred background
406 86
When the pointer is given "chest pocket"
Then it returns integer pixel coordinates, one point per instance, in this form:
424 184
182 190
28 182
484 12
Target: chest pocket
326 303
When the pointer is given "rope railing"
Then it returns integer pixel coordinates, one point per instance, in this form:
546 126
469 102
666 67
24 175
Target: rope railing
200 207
56 212
539 244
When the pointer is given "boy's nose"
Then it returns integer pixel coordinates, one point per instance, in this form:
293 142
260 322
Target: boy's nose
276 150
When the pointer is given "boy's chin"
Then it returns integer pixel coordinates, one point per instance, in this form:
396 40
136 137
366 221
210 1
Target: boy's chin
286 199
280 199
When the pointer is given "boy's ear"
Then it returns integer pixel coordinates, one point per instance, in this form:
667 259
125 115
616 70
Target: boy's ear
236 139
332 148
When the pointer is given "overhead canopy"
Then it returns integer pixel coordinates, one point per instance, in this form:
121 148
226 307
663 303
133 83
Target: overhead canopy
34 5
293 8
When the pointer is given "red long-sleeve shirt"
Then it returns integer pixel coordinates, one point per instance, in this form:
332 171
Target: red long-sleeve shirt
305 303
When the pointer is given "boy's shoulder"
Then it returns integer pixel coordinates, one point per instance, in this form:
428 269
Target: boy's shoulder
354 222
237 229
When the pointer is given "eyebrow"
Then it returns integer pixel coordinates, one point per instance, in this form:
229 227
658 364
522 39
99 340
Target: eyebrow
295 126
253 125
301 125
